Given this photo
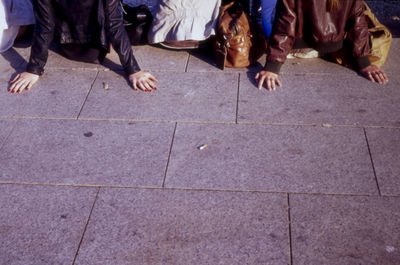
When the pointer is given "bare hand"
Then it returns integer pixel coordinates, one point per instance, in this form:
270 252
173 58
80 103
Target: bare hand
271 80
375 74
23 81
144 81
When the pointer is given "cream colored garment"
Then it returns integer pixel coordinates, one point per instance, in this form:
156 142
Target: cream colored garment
184 20
13 13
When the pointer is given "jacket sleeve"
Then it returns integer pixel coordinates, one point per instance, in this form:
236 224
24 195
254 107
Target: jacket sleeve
283 35
42 36
357 33
118 36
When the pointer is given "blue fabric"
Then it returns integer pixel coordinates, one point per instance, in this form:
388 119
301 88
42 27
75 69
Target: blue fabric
267 8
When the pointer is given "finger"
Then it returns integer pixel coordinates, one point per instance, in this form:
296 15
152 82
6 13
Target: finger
377 77
22 87
141 86
257 76
150 83
269 86
15 79
16 86
153 85
11 88
261 80
29 86
147 86
380 77
273 84
152 78
134 84
278 82
370 77
383 77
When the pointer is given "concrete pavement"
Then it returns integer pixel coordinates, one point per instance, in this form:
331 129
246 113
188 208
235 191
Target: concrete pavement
308 174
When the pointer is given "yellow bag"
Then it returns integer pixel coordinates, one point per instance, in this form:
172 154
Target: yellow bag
380 39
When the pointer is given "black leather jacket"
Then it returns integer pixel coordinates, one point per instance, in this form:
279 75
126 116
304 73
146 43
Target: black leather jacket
94 22
325 31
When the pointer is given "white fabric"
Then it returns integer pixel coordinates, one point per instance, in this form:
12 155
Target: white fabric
7 37
13 13
184 20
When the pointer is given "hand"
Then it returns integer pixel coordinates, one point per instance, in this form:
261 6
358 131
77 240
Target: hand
375 74
23 81
270 78
144 81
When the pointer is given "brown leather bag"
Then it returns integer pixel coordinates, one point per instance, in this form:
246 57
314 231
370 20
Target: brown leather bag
236 45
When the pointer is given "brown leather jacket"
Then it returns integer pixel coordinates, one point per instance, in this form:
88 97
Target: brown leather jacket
325 31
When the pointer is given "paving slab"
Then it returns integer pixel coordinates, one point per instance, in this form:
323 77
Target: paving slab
58 94
316 99
153 58
181 96
6 127
339 230
13 58
42 224
391 66
186 227
87 152
266 158
385 151
7 73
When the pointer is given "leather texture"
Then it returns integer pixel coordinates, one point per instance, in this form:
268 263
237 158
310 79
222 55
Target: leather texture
309 20
137 21
234 39
94 22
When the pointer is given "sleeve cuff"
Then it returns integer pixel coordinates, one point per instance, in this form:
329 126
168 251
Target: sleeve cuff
362 62
131 70
274 67
33 69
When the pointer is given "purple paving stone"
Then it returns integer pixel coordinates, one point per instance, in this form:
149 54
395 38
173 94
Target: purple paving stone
186 227
87 152
279 158
6 127
42 224
319 98
207 97
339 230
58 94
385 151
391 66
